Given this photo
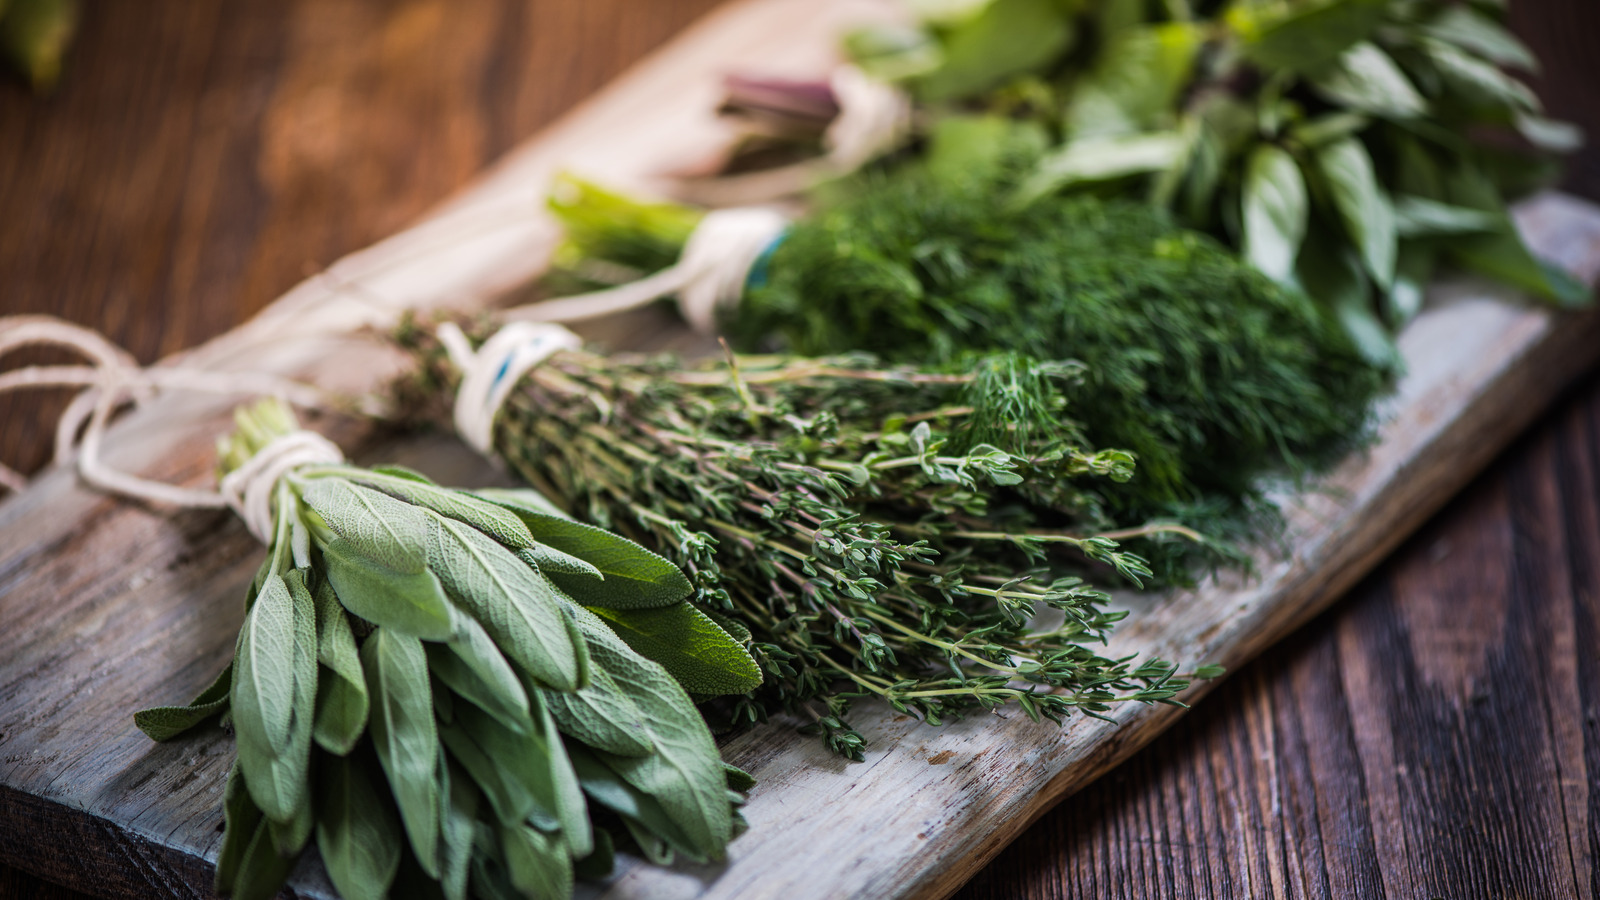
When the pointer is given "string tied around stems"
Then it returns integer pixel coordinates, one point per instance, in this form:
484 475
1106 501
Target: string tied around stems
489 374
113 378
709 276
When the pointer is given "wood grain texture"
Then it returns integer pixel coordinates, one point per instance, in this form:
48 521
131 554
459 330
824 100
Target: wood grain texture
348 121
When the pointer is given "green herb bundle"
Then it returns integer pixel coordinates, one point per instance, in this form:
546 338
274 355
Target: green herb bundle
461 684
34 36
1212 376
869 531
1345 146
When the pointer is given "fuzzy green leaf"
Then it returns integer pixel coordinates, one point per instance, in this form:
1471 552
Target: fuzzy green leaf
261 870
551 561
341 716
358 828
163 723
528 619
380 528
403 732
1362 205
691 647
1275 212
514 770
240 819
410 602
473 667
463 507
457 826
601 715
633 576
274 695
537 863
604 786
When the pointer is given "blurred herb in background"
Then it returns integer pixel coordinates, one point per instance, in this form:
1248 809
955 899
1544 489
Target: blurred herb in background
34 35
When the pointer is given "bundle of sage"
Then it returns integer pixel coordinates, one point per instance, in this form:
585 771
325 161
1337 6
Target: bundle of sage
467 683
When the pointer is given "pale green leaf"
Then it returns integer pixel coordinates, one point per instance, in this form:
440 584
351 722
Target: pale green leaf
1135 82
458 815
358 829
403 731
1005 39
1275 212
273 699
529 620
341 716
1303 37
1479 83
380 528
163 723
1420 217
1366 79
1363 207
1548 134
473 667
410 602
692 648
462 506
537 863
1097 160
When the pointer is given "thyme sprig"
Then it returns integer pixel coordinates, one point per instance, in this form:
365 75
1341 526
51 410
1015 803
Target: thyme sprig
869 531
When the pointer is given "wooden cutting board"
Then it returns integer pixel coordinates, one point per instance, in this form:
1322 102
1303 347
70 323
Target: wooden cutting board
108 606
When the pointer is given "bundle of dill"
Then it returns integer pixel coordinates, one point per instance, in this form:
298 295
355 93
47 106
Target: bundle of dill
1210 374
868 531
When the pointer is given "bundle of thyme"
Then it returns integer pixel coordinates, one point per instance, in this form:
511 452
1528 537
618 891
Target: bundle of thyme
868 531
467 684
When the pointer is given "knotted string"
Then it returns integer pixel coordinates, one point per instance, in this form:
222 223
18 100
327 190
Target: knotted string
709 276
114 378
489 374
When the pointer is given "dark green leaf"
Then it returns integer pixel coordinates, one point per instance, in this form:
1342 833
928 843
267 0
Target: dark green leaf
528 619
341 716
1461 26
240 820
1502 254
1135 82
261 870
1005 39
404 734
1331 274
163 723
1303 37
1476 82
1366 79
410 602
691 647
738 779
1362 205
604 786
600 861
634 577
358 828
511 768
1275 212
1097 160
1421 217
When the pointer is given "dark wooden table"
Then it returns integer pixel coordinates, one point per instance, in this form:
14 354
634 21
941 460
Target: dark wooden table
1437 734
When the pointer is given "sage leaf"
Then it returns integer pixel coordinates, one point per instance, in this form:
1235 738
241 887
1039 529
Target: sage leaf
1362 205
410 602
240 819
571 809
261 870
463 507
601 715
524 614
692 648
537 864
1366 79
1097 160
374 525
1275 212
520 500
598 863
358 828
163 723
604 786
341 716
511 768
404 734
458 814
289 838
684 773
633 576
1303 37
738 779
1004 39
274 694
473 667
551 561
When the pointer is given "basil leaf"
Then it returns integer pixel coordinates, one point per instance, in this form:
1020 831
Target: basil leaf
463 507
1135 82
373 524
1412 274
1097 160
457 824
1330 273
537 864
1502 254
274 695
1421 217
1479 84
1303 37
684 773
358 829
473 667
1365 211
1366 79
1548 134
633 576
1005 39
409 602
692 648
163 723
341 716
524 614
404 734
1275 212
1461 26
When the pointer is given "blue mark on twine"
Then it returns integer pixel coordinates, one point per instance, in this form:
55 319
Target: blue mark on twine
761 269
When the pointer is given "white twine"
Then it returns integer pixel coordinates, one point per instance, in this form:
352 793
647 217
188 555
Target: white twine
488 375
115 378
708 277
248 489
